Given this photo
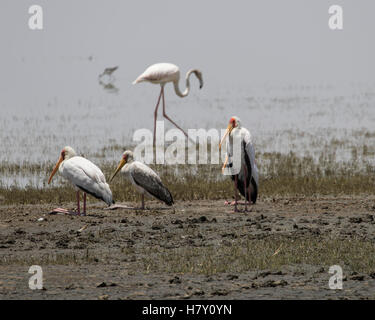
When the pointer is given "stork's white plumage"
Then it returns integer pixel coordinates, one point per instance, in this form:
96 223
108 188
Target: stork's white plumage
146 180
162 73
84 175
247 179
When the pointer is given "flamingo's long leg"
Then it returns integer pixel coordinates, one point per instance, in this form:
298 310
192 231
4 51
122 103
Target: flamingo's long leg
166 116
156 115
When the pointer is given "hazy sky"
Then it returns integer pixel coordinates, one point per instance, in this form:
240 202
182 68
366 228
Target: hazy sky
232 42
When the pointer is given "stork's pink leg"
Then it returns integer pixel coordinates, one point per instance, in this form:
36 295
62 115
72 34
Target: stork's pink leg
248 191
143 202
235 192
233 203
165 116
156 116
84 203
245 171
78 208
78 212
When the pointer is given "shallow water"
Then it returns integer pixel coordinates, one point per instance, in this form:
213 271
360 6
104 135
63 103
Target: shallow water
282 119
99 123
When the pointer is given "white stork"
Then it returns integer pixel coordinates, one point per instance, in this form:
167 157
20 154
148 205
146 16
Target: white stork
247 179
162 73
143 178
84 175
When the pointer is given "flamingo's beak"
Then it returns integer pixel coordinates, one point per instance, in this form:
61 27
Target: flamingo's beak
200 82
198 73
55 169
120 165
229 130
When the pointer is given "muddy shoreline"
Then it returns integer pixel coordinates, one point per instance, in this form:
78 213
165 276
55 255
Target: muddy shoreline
158 254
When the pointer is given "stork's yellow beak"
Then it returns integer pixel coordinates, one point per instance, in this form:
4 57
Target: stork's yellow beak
225 164
229 130
120 165
55 169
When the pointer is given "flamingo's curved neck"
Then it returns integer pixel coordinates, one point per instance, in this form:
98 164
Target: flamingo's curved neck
187 90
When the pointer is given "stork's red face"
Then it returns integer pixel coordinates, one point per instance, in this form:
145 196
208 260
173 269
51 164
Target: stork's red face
232 124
